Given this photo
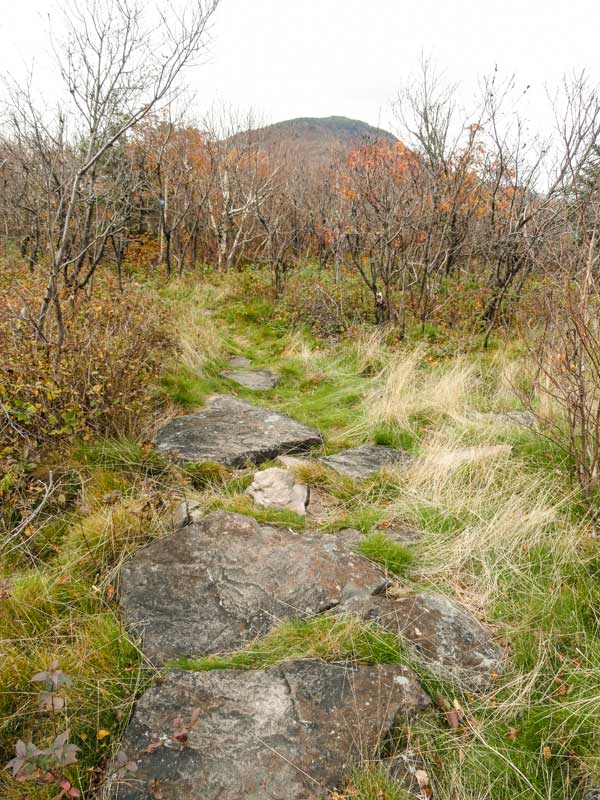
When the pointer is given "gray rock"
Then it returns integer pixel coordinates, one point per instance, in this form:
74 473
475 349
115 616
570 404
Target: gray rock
440 631
365 461
278 488
592 793
185 513
525 418
288 733
316 509
220 583
234 432
258 379
350 536
239 362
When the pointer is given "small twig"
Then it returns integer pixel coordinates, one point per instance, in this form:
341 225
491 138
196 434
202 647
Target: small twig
50 488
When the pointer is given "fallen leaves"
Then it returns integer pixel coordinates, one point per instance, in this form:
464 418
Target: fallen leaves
455 716
422 779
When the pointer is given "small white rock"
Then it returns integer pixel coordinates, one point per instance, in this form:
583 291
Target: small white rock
278 488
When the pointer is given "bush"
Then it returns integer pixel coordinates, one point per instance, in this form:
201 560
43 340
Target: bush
113 352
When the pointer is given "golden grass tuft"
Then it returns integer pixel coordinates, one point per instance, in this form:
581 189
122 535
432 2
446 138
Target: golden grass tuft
198 338
485 511
404 390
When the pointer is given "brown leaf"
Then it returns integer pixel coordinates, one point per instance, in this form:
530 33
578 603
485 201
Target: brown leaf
442 703
452 718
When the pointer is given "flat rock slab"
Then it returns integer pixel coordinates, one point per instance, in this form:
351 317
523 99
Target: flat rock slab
441 632
234 432
239 362
365 461
292 732
278 488
218 584
258 379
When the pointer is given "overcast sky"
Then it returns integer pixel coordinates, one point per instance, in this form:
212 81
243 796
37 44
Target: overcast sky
288 58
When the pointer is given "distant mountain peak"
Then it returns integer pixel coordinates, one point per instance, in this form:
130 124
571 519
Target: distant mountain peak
316 142
343 129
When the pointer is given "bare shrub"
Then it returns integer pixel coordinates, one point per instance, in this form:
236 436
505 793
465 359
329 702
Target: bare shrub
567 384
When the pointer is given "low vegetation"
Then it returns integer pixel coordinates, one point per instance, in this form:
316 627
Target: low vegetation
408 293
510 535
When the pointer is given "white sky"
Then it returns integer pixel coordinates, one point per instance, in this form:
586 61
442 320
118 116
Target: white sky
288 58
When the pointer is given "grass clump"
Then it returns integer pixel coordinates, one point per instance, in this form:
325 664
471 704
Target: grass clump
205 474
123 454
391 435
51 617
374 782
362 519
187 389
324 637
406 391
393 557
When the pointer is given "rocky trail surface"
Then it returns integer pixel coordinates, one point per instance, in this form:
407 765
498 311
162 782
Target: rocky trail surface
223 580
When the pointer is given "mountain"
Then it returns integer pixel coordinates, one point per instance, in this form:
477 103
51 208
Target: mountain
326 130
317 140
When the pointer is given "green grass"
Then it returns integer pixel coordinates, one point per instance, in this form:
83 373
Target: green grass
324 637
186 389
206 474
121 455
393 557
393 436
46 620
510 539
363 519
374 782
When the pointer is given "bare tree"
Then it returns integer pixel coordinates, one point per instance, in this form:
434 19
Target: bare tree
243 178
119 62
522 211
